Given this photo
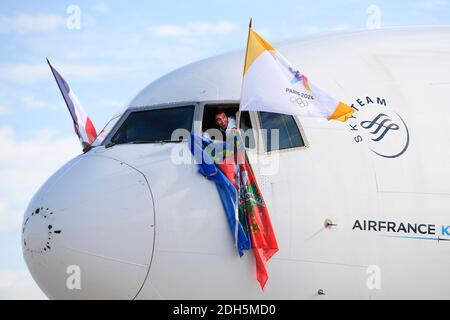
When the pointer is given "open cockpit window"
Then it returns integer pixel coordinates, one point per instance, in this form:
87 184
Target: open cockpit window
209 124
157 125
277 131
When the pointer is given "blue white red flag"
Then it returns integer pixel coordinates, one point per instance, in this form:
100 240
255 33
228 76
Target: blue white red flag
83 126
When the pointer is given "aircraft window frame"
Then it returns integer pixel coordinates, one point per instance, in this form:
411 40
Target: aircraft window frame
225 104
113 121
252 127
263 150
256 127
130 110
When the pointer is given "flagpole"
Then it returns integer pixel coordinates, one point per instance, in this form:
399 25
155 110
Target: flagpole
248 41
250 25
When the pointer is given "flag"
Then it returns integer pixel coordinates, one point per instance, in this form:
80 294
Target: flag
227 164
228 192
83 126
272 84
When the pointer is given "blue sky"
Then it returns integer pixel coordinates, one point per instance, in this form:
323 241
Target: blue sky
117 50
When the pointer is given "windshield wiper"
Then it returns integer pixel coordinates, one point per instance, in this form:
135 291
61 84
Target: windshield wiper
155 141
111 144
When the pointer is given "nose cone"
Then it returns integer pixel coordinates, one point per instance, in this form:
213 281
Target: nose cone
88 232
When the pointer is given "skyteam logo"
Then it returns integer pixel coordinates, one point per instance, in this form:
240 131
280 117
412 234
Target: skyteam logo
380 127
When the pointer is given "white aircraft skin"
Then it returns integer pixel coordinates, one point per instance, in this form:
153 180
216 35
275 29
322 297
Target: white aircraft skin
139 226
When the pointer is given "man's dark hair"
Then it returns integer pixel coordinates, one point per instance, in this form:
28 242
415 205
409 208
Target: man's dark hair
219 111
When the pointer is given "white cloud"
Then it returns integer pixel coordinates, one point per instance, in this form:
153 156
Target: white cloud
24 73
18 285
429 4
25 164
314 29
8 221
193 29
26 23
310 29
202 27
3 110
110 104
101 7
168 31
7 278
31 73
89 71
31 102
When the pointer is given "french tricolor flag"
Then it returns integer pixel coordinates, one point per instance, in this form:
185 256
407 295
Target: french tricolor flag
84 128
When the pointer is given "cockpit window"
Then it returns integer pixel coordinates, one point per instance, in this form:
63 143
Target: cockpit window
289 135
154 125
102 135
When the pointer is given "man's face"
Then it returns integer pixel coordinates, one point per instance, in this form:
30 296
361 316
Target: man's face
222 120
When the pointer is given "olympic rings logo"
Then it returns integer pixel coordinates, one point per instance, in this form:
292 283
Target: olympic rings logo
298 101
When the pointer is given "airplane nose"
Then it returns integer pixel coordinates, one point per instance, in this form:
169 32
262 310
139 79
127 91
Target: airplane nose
88 232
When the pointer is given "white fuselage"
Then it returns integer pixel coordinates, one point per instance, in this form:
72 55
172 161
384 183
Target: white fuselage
138 225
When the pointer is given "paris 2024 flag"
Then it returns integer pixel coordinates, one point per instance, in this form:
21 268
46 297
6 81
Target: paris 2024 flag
271 84
84 128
